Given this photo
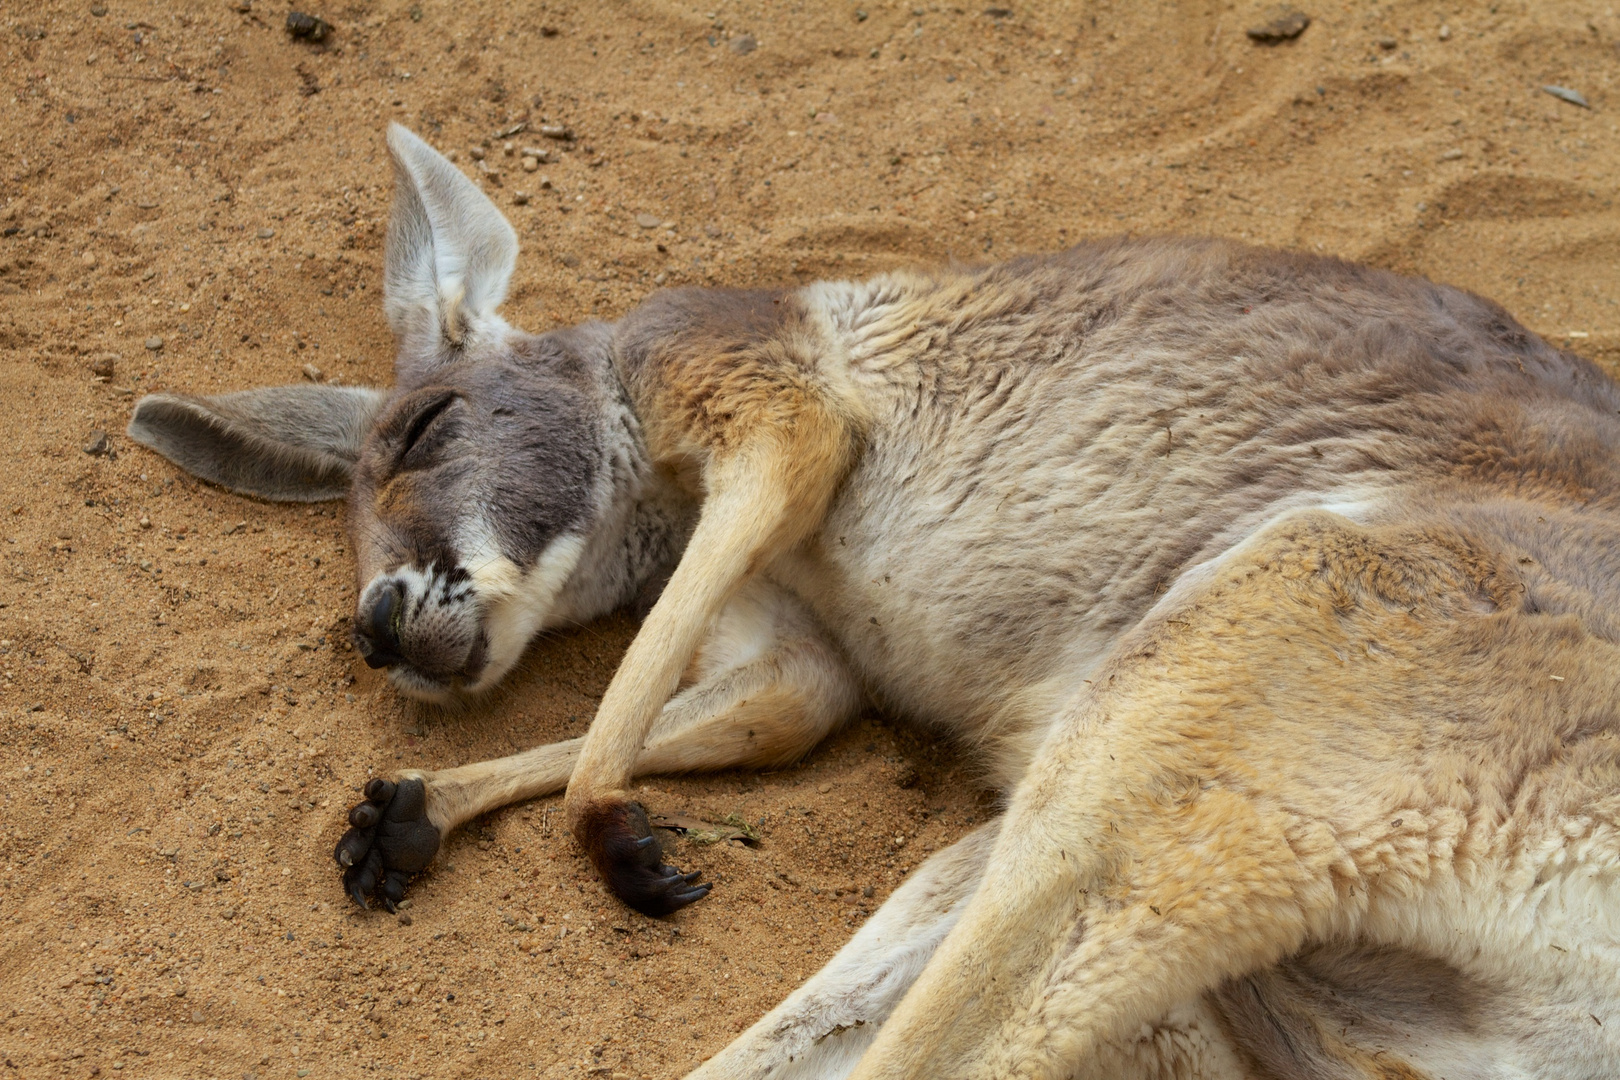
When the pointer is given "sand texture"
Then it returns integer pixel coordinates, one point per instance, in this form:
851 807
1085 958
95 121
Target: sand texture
191 198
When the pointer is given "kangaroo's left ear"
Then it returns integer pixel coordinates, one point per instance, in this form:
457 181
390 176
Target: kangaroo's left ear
450 251
284 443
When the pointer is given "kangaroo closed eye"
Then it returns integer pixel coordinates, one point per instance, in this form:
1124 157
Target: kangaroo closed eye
420 426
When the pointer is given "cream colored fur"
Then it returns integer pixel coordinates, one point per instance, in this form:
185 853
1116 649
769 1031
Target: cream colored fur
1281 597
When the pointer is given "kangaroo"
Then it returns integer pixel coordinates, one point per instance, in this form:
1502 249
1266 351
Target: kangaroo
1279 596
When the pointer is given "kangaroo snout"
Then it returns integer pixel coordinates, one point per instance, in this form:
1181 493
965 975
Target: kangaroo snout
376 625
428 633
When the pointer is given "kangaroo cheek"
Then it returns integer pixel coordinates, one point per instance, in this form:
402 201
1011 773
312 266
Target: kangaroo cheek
520 603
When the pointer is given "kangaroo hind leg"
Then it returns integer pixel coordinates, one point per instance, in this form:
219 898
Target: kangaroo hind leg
1241 779
823 1028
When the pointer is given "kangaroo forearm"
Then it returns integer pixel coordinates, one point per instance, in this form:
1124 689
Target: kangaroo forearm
458 795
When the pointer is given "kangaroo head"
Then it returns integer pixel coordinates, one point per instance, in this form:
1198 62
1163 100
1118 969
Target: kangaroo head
476 484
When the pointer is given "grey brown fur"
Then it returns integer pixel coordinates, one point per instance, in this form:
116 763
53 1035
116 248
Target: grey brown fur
1280 596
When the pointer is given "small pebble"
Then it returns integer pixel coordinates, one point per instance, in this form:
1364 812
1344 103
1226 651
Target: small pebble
308 27
97 444
1387 43
88 258
149 275
404 918
1445 33
743 44
244 6
102 367
649 221
266 233
146 522
520 198
530 164
545 183
98 10
1288 24
555 131
312 373
478 153
154 343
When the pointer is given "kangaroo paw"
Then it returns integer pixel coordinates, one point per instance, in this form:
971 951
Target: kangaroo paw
624 851
389 839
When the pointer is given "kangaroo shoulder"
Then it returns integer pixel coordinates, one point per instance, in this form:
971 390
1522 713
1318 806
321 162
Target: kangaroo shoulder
706 368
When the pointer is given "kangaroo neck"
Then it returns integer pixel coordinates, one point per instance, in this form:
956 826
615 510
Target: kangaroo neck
644 524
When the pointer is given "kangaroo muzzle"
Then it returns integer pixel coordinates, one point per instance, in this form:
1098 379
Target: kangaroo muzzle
376 634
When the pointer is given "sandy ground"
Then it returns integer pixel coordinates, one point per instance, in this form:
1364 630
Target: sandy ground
190 198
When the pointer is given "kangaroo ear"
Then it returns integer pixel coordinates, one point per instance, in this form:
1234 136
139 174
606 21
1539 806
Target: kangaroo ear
285 443
450 251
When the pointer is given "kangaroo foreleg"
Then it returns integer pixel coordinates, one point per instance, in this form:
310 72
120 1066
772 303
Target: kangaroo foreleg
766 714
789 691
764 497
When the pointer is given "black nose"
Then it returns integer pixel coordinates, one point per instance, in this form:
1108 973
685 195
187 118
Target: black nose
376 635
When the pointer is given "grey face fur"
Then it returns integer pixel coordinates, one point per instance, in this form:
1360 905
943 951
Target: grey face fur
480 484
472 496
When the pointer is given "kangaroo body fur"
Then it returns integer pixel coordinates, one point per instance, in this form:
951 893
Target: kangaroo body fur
1280 596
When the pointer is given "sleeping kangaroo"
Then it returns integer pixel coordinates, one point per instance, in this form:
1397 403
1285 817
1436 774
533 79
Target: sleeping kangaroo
1280 597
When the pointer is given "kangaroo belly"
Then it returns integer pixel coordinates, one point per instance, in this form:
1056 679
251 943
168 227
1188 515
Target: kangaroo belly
977 566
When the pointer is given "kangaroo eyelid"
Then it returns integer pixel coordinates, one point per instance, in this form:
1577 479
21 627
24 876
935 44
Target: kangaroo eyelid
423 421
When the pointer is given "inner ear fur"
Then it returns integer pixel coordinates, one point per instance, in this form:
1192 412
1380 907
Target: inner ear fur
284 443
450 251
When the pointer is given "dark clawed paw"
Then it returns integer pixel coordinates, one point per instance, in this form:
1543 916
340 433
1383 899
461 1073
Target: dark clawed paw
389 839
627 855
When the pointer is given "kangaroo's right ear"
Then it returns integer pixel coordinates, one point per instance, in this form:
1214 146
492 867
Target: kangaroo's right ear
285 443
450 251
